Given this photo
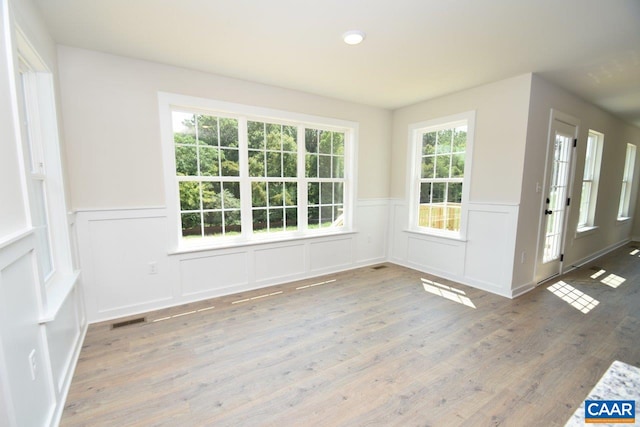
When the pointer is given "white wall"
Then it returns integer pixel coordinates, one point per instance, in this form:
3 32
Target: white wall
110 107
48 321
610 232
485 259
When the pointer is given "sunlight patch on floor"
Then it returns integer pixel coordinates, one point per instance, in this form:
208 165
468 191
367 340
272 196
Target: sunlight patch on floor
182 314
598 274
447 292
613 280
634 252
315 284
572 296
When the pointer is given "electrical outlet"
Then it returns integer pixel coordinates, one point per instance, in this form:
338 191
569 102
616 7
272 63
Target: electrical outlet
32 364
153 267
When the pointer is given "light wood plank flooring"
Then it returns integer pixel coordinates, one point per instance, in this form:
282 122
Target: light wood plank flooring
369 347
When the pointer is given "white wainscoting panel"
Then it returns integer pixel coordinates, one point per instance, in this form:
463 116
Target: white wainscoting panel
209 274
483 260
117 246
330 254
279 263
63 335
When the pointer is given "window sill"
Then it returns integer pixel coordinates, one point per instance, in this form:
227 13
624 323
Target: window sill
232 244
586 231
623 220
57 292
436 236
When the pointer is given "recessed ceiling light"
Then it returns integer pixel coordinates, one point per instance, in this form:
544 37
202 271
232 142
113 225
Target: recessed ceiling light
353 37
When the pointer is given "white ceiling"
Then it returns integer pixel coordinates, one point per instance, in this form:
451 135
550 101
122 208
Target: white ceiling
414 49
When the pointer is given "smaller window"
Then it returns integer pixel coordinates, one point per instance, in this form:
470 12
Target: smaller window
590 180
627 180
440 173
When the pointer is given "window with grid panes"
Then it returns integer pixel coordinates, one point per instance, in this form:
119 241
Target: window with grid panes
590 179
441 150
240 177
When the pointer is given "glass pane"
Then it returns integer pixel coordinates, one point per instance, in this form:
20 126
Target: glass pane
189 195
256 135
291 218
338 143
290 164
311 140
428 143
186 161
290 138
326 216
324 169
313 217
184 130
460 140
274 137
276 219
232 222
442 166
258 194
209 161
274 164
313 195
207 130
427 167
338 217
191 225
210 195
213 223
454 192
230 163
338 193
338 167
444 141
275 194
425 192
231 191
256 163
311 166
259 220
457 166
438 195
325 142
228 133
291 194
326 193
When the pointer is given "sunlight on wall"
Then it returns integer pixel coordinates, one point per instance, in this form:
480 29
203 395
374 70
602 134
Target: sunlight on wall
447 292
575 298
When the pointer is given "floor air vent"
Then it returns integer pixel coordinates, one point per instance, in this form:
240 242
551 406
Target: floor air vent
379 267
128 322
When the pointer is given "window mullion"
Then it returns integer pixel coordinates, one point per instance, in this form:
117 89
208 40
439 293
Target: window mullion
302 180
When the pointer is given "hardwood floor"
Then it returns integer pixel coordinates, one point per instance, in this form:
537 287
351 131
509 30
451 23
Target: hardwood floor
369 347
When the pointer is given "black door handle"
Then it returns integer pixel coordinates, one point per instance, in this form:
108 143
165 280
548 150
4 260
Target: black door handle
547 212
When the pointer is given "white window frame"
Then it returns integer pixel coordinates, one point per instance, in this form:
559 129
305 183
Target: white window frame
416 130
40 148
591 175
169 102
627 183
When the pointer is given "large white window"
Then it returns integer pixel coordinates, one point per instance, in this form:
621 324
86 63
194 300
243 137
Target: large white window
440 160
627 180
590 180
237 174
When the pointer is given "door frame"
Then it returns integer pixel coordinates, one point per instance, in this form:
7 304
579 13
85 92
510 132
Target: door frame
569 120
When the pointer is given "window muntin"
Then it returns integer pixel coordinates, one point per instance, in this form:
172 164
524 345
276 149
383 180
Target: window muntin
439 174
590 180
627 180
267 178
